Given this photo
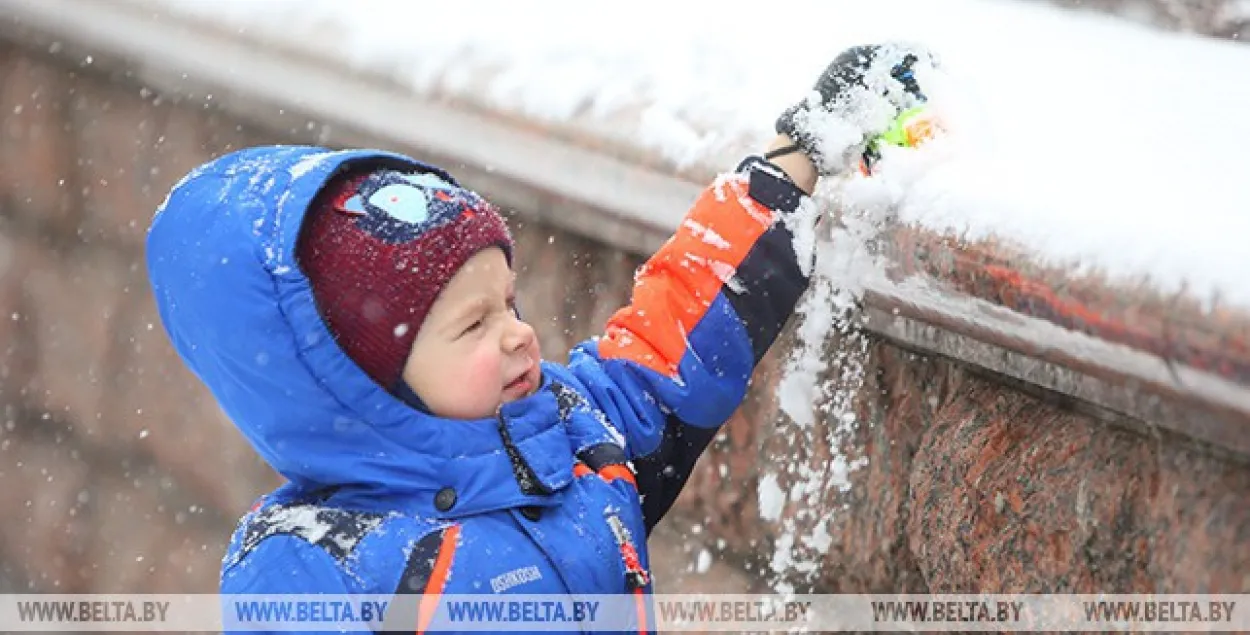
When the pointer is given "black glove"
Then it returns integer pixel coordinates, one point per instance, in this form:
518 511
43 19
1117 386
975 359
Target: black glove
856 99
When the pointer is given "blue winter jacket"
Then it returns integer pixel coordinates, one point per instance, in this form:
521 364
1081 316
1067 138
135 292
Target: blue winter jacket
552 494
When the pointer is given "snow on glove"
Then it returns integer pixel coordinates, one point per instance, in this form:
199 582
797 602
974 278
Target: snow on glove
863 95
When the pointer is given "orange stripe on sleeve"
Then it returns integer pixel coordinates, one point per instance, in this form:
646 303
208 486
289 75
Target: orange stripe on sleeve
675 287
438 578
612 472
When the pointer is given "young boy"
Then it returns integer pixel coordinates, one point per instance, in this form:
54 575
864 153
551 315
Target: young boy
353 312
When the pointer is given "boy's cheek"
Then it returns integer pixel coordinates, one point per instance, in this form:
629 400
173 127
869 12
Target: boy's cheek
482 369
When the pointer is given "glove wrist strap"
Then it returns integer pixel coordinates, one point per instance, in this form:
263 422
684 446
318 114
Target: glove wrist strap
782 151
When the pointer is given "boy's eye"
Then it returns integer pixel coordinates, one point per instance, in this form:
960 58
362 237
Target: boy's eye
477 324
513 308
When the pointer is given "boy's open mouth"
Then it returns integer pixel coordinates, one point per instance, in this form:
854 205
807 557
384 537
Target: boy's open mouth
519 387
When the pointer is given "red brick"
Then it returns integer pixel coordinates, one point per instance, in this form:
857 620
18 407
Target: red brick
192 562
223 133
44 533
133 151
568 286
132 530
542 265
685 560
610 282
116 131
17 355
37 146
81 521
158 405
178 147
75 304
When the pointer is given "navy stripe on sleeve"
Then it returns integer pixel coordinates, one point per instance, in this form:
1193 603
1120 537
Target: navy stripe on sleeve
771 281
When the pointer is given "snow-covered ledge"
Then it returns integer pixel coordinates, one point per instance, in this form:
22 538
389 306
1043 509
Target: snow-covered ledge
571 187
1168 361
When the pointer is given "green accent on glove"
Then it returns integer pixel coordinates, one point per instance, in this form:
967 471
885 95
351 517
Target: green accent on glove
897 133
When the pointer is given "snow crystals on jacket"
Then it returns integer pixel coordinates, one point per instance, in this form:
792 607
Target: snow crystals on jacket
558 492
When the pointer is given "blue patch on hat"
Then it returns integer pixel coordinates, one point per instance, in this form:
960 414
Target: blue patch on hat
397 208
403 202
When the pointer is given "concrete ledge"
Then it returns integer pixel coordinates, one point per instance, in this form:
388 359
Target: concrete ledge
1093 372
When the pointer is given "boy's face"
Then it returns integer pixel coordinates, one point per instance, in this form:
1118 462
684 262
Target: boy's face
472 353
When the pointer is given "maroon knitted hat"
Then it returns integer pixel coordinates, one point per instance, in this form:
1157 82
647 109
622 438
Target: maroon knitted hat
378 248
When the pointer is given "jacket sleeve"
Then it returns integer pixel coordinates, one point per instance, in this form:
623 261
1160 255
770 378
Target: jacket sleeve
674 364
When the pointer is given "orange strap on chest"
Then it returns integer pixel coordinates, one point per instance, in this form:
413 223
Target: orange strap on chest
609 473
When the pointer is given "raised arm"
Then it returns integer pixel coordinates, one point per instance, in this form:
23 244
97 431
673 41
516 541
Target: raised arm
674 364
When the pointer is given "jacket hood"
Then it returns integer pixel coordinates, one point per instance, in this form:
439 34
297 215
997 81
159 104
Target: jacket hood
241 314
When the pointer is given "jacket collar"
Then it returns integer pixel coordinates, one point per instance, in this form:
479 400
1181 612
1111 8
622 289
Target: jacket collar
519 458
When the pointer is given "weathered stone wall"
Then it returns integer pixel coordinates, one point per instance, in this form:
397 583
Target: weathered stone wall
965 484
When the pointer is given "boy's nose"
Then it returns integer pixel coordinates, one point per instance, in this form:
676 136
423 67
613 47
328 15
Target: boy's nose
519 336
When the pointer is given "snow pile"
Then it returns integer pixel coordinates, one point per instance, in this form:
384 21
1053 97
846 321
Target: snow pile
1098 132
